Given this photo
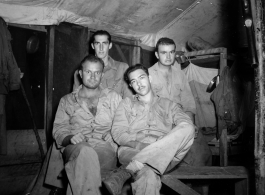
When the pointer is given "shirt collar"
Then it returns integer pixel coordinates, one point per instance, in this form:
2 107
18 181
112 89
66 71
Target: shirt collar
175 67
135 99
103 92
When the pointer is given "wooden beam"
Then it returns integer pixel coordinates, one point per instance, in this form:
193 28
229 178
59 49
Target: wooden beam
49 84
40 28
259 152
178 186
121 53
208 172
136 58
223 148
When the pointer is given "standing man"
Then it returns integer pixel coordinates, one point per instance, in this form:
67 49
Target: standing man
82 130
171 82
152 132
113 71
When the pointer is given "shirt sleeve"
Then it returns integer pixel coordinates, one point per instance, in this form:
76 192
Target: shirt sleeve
186 96
179 115
61 126
120 128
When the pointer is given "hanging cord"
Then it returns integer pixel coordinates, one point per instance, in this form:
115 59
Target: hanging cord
33 122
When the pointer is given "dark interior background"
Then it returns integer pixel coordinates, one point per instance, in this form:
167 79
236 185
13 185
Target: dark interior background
32 65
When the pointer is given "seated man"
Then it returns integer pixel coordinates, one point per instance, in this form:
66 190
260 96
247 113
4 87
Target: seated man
171 82
152 132
82 130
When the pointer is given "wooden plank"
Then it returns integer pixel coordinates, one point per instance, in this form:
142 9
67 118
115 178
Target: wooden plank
3 132
241 187
223 148
49 84
40 28
178 186
136 58
259 100
223 60
189 172
205 52
121 53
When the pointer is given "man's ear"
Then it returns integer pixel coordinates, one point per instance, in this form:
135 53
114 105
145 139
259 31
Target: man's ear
110 45
156 55
80 73
92 45
150 78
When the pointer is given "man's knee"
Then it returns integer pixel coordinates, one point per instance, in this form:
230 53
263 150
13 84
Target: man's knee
79 151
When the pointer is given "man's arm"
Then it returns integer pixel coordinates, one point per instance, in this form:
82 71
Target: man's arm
120 128
179 116
187 99
61 126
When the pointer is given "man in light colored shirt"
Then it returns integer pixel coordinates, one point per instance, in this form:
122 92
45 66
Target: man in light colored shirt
169 81
113 71
82 130
152 132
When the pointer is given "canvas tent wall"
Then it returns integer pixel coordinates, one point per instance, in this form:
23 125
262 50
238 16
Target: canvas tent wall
214 21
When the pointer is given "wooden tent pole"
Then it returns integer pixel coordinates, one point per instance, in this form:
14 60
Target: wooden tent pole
49 84
260 97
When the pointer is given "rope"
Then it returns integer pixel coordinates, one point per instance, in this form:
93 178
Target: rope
33 122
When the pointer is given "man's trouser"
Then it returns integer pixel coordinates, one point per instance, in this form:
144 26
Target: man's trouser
164 155
85 164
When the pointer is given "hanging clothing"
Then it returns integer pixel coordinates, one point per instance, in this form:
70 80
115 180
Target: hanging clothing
9 71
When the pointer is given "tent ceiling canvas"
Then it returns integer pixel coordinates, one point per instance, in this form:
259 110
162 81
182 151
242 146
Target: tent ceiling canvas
146 20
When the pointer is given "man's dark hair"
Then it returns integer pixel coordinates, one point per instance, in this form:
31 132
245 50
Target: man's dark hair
90 58
101 32
132 69
164 41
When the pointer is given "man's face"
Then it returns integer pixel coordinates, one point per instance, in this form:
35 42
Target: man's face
140 82
166 54
91 74
101 46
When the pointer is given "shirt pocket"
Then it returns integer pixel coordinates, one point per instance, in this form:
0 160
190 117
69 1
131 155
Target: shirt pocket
163 116
104 113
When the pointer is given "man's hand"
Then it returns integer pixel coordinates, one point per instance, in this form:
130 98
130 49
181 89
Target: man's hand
77 138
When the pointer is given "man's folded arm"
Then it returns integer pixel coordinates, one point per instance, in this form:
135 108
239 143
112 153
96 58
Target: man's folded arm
179 116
